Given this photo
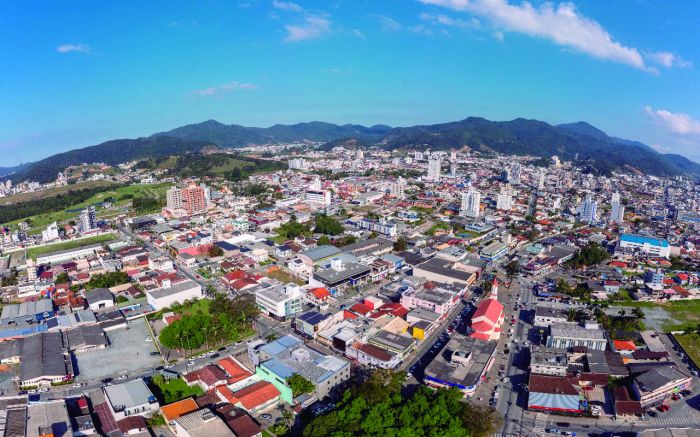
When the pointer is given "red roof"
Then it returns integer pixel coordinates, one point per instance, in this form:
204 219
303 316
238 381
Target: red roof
373 351
256 394
395 308
360 308
320 293
624 345
209 375
235 371
490 308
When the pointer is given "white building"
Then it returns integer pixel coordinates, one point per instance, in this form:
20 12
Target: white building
588 210
504 200
173 198
470 203
131 398
178 292
88 219
434 164
320 197
50 233
279 300
647 245
617 209
397 188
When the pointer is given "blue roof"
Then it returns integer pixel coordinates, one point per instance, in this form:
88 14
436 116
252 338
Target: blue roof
279 368
313 317
641 239
280 345
321 252
226 245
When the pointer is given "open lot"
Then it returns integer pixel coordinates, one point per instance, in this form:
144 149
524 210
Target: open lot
73 244
671 316
127 353
691 345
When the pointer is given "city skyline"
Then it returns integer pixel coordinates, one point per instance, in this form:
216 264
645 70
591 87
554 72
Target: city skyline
102 72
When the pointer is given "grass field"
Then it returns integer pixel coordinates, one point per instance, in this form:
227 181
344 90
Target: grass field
23 197
35 251
685 312
284 277
174 390
40 221
691 345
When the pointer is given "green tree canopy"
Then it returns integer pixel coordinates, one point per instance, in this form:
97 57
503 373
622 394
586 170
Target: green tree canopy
299 384
327 225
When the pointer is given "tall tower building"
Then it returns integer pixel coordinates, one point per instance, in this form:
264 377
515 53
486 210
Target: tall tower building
515 174
504 200
540 181
588 210
470 203
88 219
617 209
434 164
173 198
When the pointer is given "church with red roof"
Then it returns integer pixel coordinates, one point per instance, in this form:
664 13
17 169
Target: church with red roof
488 317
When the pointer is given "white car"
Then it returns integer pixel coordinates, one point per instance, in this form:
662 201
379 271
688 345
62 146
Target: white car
148 339
43 390
77 385
506 379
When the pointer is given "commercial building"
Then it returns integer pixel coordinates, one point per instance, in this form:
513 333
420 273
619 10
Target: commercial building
26 312
646 245
68 254
440 270
319 197
131 398
546 316
45 360
278 300
287 356
382 226
434 164
340 274
99 298
463 363
201 423
566 335
178 292
554 394
494 251
657 385
552 362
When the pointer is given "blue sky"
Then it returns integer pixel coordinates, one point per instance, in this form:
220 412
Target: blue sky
75 73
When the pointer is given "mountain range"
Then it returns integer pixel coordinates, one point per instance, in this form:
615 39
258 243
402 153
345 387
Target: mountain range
579 141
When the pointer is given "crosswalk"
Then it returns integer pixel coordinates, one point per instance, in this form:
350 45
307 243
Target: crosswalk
674 421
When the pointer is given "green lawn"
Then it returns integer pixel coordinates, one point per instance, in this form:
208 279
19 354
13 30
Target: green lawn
691 345
284 277
73 244
173 390
686 311
40 221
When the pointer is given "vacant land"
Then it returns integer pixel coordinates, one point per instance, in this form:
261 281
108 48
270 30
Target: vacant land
169 391
73 244
284 277
120 198
23 197
682 314
691 345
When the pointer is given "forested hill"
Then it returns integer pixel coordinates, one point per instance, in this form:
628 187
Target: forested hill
580 141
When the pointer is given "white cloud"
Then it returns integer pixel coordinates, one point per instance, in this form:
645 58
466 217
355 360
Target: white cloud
562 24
218 90
79 48
678 123
667 59
358 33
388 24
286 6
314 27
449 21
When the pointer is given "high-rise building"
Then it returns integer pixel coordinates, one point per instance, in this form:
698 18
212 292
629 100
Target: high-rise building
470 203
540 181
418 155
88 219
453 169
397 188
194 200
617 209
360 154
453 155
434 164
173 198
515 174
504 200
588 210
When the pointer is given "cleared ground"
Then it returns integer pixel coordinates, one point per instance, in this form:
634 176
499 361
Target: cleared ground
128 353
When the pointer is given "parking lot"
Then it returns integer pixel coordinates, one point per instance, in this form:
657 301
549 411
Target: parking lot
127 353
